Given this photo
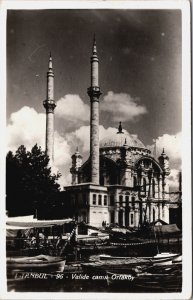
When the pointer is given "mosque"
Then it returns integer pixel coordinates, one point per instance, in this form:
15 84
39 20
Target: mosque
121 182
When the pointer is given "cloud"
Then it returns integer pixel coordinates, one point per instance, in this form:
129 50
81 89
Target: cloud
62 151
71 107
122 106
172 147
81 136
27 127
174 180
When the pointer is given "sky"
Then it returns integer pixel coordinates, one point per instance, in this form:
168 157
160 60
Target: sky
139 74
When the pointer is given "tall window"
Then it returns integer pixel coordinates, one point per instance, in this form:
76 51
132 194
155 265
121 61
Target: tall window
133 201
112 217
153 188
85 200
94 199
112 201
127 200
121 200
153 214
105 199
132 219
100 200
121 218
134 181
144 185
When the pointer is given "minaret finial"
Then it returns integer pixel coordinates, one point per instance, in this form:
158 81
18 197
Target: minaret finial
77 149
50 61
163 152
120 129
125 144
94 50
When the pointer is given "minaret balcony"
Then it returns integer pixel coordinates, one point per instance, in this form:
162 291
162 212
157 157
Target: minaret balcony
94 91
49 105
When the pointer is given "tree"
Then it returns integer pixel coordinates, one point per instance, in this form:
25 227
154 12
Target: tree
30 185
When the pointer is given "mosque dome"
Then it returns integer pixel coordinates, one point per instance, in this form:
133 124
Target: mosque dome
120 138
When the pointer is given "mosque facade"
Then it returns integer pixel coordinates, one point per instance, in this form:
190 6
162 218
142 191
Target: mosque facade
121 182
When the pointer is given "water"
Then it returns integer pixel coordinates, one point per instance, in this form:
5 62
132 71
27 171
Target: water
160 279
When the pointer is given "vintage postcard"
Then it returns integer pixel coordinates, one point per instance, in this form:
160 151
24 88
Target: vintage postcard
96 180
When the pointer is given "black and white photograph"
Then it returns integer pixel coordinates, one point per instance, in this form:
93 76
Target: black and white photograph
95 167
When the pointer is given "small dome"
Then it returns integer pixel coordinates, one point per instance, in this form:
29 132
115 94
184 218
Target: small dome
119 139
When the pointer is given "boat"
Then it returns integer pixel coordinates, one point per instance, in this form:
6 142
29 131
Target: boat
177 259
35 263
165 262
164 256
147 278
108 263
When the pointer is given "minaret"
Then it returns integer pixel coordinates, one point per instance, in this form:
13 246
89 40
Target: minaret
94 94
50 105
164 162
76 164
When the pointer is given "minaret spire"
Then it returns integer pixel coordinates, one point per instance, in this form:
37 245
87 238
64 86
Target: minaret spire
50 105
94 94
50 62
94 49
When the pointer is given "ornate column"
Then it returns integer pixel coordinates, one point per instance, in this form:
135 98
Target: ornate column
150 207
123 216
116 216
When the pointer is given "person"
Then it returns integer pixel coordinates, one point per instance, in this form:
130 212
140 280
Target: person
41 239
59 242
32 240
41 236
19 241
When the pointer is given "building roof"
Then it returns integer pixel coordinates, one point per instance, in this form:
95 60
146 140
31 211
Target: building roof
120 139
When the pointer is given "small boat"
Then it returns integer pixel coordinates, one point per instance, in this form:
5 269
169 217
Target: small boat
164 262
34 263
164 256
177 259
